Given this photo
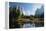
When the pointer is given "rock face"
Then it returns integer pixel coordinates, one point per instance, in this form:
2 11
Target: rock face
40 12
42 15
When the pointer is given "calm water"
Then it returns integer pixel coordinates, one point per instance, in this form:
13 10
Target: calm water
28 25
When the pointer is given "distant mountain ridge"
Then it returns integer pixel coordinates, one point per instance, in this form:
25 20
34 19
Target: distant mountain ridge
40 12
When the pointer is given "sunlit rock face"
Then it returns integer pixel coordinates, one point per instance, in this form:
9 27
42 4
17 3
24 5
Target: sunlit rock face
40 12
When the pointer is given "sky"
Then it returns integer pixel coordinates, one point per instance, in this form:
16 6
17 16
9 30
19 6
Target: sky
28 8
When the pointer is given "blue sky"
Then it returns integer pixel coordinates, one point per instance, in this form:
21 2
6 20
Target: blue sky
28 8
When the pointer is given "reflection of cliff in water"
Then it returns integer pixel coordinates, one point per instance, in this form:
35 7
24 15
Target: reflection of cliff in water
28 25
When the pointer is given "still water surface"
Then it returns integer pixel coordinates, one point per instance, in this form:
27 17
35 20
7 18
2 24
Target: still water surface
28 25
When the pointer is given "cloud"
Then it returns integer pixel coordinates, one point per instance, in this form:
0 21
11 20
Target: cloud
28 12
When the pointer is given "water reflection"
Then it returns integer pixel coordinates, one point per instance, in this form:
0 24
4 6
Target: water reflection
28 25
